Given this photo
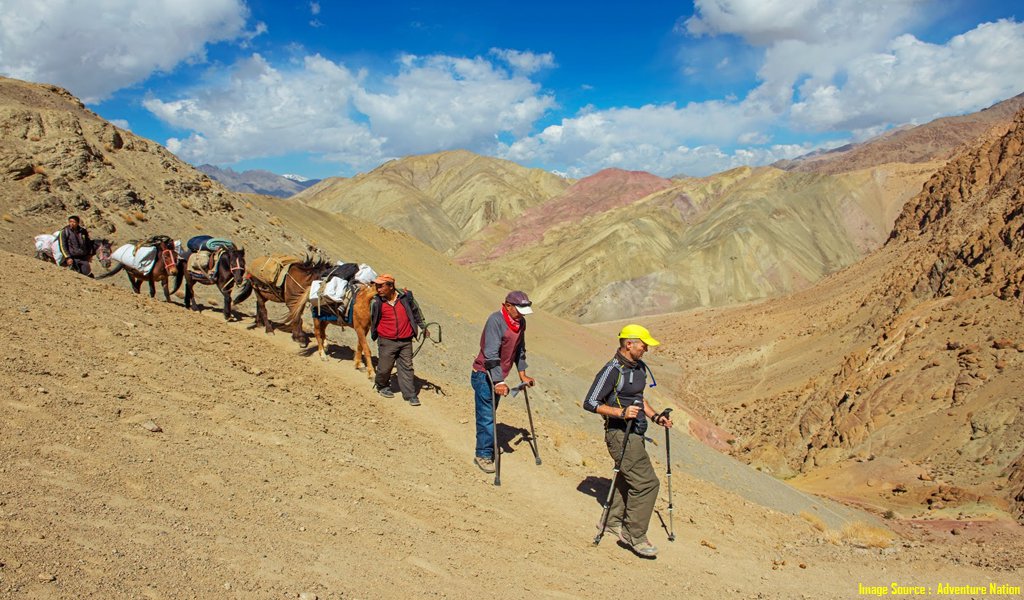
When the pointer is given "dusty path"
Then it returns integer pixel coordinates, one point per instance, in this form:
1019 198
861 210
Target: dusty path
275 474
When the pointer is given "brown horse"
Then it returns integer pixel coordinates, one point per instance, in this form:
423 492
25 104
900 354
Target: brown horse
360 323
227 273
293 292
166 265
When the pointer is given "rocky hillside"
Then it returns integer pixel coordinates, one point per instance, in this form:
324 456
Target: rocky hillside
934 141
442 199
898 378
59 158
257 181
637 244
599 193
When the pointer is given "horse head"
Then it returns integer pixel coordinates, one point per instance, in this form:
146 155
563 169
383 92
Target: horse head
168 256
102 249
236 263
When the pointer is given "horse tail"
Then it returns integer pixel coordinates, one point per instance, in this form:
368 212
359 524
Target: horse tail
300 305
111 272
244 292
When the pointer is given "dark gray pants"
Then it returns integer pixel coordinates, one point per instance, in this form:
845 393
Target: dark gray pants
392 353
636 488
82 266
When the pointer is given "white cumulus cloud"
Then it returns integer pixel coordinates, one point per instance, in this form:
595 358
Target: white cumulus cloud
256 109
96 48
526 63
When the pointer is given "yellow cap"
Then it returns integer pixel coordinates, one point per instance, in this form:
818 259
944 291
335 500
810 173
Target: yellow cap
638 332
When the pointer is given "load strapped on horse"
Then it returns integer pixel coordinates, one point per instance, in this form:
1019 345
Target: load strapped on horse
213 261
156 258
342 297
286 279
48 249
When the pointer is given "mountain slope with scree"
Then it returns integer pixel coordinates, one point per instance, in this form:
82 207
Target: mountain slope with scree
896 382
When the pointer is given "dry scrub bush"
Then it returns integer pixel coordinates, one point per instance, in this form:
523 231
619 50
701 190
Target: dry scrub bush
862 535
275 221
108 147
206 184
39 170
248 205
813 520
139 215
186 204
8 218
127 219
34 138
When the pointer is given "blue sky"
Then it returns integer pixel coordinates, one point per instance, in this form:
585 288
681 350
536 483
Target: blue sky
335 88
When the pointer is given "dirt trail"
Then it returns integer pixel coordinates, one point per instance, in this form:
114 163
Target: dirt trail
276 474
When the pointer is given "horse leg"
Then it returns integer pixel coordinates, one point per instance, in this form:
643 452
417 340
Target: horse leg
261 315
136 284
320 333
363 352
227 303
190 301
298 334
167 290
152 288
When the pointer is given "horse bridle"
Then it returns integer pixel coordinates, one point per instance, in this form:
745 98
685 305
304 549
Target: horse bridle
167 255
103 254
237 267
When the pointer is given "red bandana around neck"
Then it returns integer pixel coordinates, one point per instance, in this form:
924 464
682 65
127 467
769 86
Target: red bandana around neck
513 324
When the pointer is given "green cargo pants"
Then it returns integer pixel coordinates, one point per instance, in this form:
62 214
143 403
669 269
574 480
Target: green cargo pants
636 489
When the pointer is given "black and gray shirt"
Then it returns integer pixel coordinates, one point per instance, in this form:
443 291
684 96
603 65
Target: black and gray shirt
619 383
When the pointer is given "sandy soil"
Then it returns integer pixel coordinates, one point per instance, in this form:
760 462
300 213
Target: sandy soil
277 475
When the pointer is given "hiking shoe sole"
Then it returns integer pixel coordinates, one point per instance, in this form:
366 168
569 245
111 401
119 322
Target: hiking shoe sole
487 466
414 402
386 393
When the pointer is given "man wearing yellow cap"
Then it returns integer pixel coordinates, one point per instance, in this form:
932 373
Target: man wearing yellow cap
617 394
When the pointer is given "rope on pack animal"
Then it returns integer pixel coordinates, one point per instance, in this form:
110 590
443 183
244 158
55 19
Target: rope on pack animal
424 337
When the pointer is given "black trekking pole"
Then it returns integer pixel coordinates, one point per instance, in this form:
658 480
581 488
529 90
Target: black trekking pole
668 462
533 436
615 479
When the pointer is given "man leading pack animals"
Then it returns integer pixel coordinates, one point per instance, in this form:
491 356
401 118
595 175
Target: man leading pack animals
617 394
395 319
502 346
76 246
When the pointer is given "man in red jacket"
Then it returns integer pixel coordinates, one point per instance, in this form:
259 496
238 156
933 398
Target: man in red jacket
395 318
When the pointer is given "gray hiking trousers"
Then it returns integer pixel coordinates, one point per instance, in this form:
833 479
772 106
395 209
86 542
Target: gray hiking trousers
392 353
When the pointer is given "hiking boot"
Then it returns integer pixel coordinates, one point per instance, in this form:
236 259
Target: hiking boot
386 392
486 464
642 547
413 401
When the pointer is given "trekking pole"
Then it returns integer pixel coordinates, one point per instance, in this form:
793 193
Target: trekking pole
668 462
615 479
533 436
